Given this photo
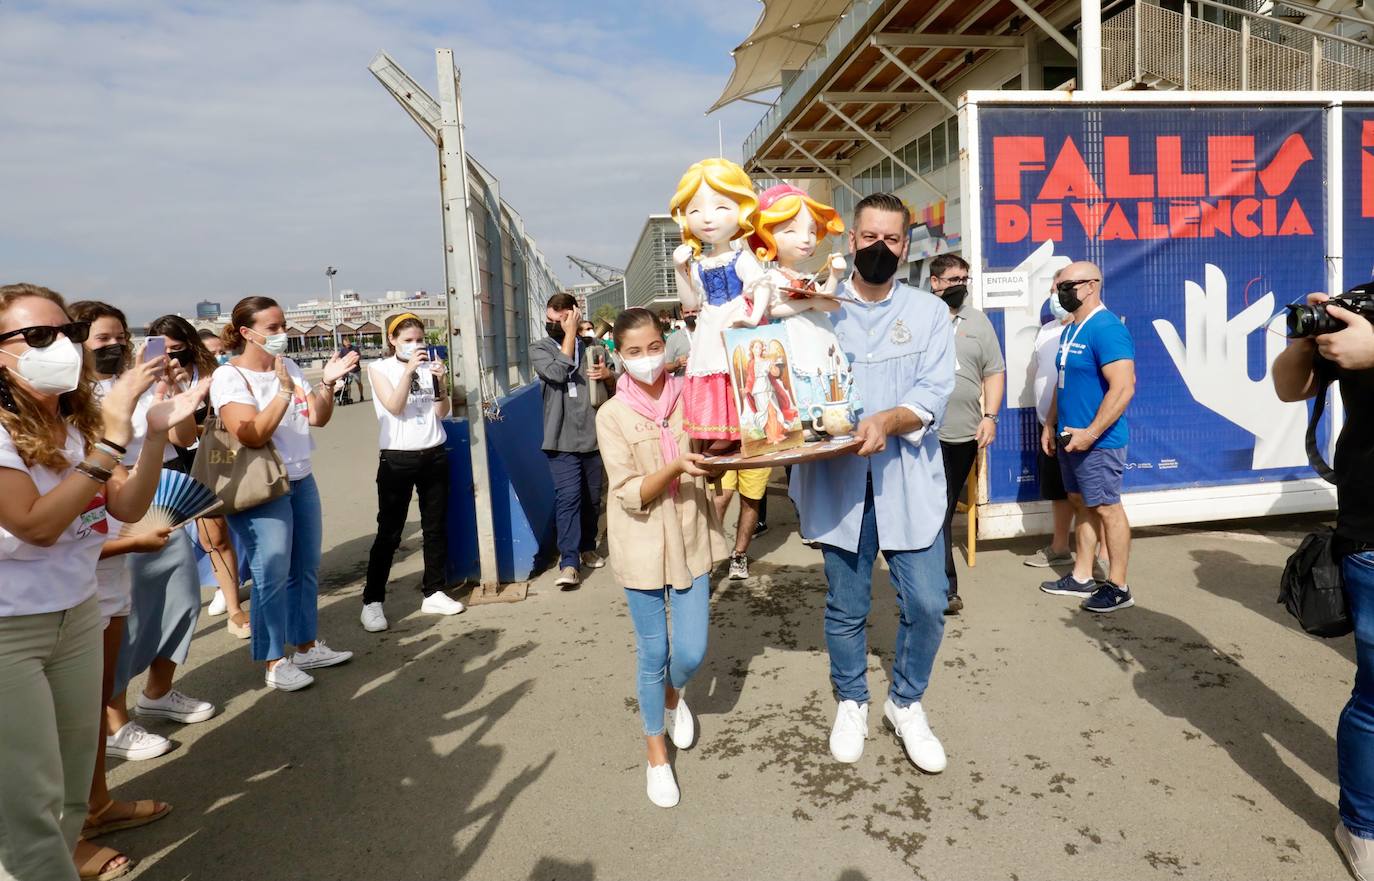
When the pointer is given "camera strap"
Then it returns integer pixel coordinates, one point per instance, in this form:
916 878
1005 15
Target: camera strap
1314 455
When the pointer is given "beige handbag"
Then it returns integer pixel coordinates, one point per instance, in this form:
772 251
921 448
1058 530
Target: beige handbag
241 476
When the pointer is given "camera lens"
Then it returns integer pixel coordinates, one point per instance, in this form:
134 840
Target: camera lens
1300 320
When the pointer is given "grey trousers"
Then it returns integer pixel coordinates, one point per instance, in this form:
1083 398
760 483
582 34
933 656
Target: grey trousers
49 722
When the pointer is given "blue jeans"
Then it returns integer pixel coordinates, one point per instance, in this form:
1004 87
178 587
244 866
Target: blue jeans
577 498
919 577
649 611
1355 733
282 541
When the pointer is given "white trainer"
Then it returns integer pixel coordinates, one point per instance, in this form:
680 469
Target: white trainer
921 745
1358 853
319 655
134 743
217 605
286 676
373 618
593 560
440 603
662 787
175 706
849 732
681 728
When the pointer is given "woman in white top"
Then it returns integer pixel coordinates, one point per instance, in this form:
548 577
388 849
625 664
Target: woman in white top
263 398
60 472
408 393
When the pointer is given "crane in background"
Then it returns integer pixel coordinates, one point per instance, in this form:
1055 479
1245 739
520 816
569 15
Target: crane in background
598 272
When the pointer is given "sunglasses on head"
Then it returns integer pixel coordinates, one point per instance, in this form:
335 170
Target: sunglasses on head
45 335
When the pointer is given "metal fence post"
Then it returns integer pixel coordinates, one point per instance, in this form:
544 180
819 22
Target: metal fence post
1316 63
1187 45
1135 39
1244 53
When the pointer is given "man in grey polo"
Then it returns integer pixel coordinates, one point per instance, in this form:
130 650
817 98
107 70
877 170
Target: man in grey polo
570 436
980 378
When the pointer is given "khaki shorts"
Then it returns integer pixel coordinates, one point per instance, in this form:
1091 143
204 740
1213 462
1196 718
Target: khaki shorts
752 483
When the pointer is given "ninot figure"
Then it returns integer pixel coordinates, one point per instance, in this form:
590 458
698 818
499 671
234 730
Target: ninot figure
714 205
790 224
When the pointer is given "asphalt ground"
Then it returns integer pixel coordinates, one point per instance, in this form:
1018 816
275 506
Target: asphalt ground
1191 736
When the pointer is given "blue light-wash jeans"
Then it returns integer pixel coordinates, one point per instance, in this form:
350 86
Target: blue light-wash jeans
649 610
1355 733
919 578
282 541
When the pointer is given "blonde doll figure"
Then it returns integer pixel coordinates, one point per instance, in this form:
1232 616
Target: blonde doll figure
789 225
714 205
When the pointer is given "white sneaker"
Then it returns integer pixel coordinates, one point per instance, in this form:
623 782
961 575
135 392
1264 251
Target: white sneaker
175 706
567 579
217 605
286 676
850 730
373 618
1358 853
921 745
679 724
134 743
440 603
662 788
319 655
593 560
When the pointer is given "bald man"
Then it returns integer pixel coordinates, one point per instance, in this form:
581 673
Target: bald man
1086 430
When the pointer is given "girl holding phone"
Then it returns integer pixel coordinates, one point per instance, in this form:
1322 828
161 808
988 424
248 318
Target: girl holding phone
664 537
411 400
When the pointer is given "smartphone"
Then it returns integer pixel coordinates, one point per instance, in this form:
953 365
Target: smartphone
598 355
156 347
434 353
1064 440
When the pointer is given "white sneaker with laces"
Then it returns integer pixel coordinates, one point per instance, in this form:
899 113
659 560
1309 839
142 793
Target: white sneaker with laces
680 726
373 618
319 655
1358 853
921 745
286 676
217 605
593 560
440 603
567 579
175 706
662 787
739 567
134 743
849 732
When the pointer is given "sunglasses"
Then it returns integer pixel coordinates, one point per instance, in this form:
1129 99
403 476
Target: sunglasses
957 279
1070 284
45 335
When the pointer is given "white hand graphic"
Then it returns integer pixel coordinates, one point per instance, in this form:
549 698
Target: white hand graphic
1213 363
1023 323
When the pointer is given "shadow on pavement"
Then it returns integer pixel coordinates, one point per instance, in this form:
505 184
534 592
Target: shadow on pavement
554 869
1185 677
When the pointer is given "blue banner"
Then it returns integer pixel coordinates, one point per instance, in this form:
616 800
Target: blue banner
1357 151
1205 220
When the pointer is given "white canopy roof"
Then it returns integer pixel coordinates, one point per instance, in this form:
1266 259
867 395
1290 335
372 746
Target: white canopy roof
787 33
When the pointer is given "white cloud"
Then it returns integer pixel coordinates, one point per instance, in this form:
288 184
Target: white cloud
186 151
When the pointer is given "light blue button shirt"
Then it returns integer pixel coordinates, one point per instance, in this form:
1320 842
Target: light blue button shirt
901 352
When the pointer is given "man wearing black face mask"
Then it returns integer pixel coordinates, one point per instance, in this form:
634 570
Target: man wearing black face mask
980 377
570 436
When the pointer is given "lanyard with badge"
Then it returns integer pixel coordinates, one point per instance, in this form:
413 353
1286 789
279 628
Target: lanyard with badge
1066 347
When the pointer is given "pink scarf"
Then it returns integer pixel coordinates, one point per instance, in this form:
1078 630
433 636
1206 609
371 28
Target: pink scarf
632 394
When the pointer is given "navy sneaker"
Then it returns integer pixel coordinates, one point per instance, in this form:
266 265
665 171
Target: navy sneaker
1068 587
1108 598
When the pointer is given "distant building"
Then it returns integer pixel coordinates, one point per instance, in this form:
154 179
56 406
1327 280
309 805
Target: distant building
207 309
649 278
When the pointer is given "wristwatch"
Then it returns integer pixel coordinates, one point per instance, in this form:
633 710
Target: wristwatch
992 416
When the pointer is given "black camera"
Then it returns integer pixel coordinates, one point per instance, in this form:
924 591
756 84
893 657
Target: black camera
1305 320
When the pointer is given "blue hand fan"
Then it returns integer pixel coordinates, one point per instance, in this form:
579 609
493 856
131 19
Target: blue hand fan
179 498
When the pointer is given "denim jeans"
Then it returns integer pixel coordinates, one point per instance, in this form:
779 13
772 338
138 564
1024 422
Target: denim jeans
649 611
1355 733
282 541
919 578
577 499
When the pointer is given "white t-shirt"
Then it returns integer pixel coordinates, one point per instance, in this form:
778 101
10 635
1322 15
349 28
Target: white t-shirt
1046 373
417 428
239 385
34 580
140 423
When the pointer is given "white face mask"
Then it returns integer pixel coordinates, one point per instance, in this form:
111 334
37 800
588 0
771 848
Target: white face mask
273 344
1057 308
646 369
405 350
55 370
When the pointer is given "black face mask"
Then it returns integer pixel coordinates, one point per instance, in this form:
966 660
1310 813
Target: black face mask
954 296
555 330
1068 296
691 322
184 357
109 360
876 264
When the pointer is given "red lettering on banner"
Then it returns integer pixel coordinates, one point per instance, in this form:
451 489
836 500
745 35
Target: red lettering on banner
1117 226
1172 180
1279 174
1010 158
1245 218
1121 183
1047 221
1295 222
1145 222
1012 223
1367 169
1231 165
1183 220
1069 178
1090 215
1216 219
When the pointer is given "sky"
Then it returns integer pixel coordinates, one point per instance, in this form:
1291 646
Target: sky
157 153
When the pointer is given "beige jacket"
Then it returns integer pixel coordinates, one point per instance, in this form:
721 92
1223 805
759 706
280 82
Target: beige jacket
666 542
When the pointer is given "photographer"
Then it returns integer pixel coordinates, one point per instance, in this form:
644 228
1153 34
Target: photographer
1347 356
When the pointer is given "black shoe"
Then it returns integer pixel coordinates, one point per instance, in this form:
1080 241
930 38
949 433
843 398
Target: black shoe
760 528
955 606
